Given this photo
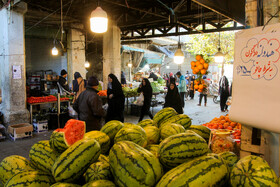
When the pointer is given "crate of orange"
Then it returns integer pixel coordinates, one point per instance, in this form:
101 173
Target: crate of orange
223 122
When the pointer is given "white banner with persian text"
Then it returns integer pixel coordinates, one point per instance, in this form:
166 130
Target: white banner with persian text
256 78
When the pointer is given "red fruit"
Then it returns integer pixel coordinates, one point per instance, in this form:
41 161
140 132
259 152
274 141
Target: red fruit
237 137
229 128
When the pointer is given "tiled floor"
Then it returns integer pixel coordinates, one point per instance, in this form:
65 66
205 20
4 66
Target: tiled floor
199 114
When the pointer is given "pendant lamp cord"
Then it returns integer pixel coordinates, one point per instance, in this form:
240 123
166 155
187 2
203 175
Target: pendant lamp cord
61 21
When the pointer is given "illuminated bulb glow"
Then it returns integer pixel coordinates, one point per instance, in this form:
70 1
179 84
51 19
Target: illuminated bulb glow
129 65
54 51
219 57
179 56
87 65
98 21
167 67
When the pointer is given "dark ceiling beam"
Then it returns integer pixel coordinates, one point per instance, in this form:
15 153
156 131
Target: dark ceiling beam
180 33
179 5
234 10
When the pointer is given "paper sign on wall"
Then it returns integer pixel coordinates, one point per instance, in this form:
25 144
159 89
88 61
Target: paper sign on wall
256 78
16 72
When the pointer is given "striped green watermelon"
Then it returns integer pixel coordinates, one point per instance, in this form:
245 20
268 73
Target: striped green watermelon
98 171
163 114
132 165
133 133
64 184
30 179
170 129
100 183
102 158
253 171
201 130
73 162
181 148
43 156
181 119
73 131
102 138
146 122
152 133
128 124
153 148
12 165
230 158
111 128
202 171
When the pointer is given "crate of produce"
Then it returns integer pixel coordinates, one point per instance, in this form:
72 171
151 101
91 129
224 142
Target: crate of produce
18 131
40 126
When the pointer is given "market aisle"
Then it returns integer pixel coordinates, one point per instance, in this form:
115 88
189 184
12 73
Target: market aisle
199 114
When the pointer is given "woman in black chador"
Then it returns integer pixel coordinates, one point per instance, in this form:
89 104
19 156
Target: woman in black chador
173 99
116 99
147 91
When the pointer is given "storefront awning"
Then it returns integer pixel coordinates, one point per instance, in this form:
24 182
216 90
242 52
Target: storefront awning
129 48
151 58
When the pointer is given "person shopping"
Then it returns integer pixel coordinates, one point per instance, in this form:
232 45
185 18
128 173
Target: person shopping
79 85
191 86
204 92
224 93
89 106
182 87
116 99
173 99
147 91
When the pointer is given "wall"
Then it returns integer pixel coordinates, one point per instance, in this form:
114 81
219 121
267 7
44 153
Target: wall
39 57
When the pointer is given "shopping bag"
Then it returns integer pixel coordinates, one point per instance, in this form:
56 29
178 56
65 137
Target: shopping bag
140 100
72 112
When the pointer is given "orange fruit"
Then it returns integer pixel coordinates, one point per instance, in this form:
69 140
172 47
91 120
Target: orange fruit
196 70
199 90
223 121
200 66
197 63
196 86
193 63
198 57
196 82
202 61
200 86
203 71
205 65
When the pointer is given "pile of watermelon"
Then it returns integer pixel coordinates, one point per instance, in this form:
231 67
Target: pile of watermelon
165 151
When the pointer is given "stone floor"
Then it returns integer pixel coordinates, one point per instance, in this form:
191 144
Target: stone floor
199 115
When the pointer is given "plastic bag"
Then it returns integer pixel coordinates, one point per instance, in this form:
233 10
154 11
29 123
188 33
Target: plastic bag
72 112
140 100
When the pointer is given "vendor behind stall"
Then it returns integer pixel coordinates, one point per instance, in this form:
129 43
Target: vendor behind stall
154 76
62 80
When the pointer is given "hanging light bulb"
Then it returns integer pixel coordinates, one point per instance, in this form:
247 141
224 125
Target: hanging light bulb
219 56
54 51
98 20
129 65
87 64
179 55
167 67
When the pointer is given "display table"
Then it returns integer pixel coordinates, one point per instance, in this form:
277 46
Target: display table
52 102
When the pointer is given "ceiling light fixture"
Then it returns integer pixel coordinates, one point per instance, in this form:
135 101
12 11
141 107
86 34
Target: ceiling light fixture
179 55
54 51
98 20
87 64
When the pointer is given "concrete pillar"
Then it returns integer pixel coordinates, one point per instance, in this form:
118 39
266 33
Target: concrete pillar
270 7
251 13
12 55
75 53
111 52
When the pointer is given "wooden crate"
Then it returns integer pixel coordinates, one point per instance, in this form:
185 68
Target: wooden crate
254 142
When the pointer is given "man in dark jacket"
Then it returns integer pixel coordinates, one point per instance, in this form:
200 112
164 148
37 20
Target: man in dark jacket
62 80
89 106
